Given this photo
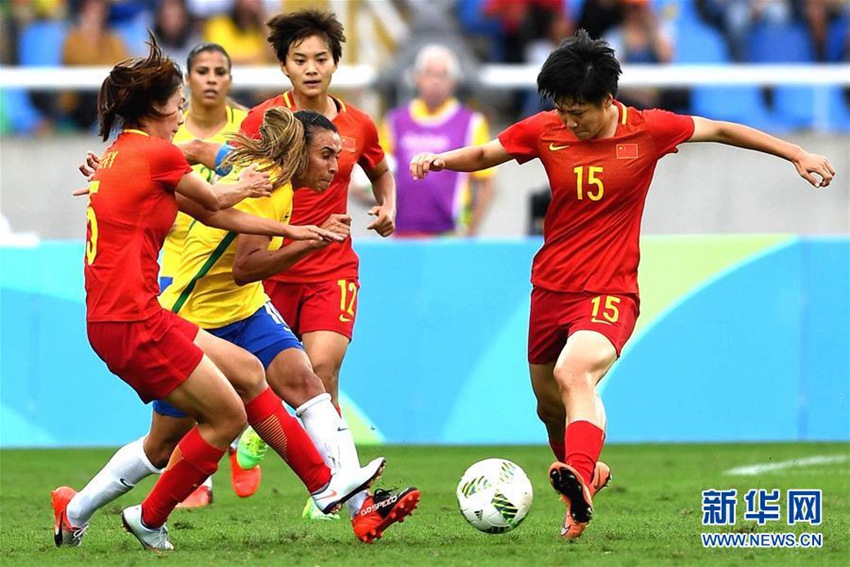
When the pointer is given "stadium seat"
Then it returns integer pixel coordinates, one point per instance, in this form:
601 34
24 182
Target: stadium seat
736 104
779 43
838 40
798 107
41 42
19 116
699 43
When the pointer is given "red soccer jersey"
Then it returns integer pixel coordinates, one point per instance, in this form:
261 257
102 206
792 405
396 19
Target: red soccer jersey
599 186
359 138
131 209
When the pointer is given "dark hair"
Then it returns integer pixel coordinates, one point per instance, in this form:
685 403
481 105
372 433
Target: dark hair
203 48
313 121
295 27
580 69
134 86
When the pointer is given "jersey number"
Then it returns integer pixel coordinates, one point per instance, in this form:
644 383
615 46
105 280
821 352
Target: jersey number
347 300
595 187
609 311
91 219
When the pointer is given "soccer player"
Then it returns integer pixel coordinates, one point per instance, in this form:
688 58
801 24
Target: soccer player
317 294
599 156
451 203
134 195
211 116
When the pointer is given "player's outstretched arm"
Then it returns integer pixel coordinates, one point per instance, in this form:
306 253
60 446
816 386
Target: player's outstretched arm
252 183
238 221
814 168
469 158
383 187
255 262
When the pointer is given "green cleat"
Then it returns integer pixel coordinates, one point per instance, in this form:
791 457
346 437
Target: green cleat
312 512
251 449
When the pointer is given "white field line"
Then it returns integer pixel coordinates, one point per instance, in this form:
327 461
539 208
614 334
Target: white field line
752 470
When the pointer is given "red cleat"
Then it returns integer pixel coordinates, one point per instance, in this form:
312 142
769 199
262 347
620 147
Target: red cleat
381 510
202 496
245 481
63 532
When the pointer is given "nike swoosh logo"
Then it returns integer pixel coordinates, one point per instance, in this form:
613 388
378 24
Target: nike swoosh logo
555 148
344 319
332 494
124 482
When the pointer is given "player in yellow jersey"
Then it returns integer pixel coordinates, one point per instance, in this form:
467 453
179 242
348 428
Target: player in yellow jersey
211 116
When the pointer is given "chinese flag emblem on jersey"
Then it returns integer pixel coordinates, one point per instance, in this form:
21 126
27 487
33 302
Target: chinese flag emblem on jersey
348 144
627 151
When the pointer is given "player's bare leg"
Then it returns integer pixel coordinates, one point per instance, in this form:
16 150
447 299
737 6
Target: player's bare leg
582 364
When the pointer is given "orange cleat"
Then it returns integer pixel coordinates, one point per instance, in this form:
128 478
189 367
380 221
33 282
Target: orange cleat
381 510
576 495
245 481
63 532
601 478
202 496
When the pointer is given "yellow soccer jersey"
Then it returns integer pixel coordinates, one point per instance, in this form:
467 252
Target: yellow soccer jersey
174 240
203 291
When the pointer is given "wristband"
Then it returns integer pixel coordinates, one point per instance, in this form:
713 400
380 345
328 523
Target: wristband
222 154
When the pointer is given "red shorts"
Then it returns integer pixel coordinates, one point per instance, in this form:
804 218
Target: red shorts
316 306
152 356
555 315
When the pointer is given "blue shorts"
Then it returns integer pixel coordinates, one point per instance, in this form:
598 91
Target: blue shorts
264 334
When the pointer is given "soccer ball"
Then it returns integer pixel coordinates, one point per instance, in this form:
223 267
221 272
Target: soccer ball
494 495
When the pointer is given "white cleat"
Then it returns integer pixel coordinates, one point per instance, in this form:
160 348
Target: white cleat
150 539
345 484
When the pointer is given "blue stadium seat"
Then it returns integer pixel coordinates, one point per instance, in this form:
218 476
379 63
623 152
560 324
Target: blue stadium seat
41 43
795 107
780 43
736 104
837 39
19 114
699 43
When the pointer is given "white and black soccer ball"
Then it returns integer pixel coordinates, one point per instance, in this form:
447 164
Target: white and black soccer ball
494 495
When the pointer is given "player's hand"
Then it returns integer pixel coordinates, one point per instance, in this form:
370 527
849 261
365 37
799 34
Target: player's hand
423 163
312 233
87 168
340 224
256 183
384 223
809 166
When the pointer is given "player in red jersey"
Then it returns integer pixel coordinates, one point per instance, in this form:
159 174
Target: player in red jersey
316 291
599 156
134 196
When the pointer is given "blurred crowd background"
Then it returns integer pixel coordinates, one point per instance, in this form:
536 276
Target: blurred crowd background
39 33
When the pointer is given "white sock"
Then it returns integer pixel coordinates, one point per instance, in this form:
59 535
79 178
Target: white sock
320 420
123 471
348 457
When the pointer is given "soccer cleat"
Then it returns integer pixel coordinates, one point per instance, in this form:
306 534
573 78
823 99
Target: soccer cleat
312 512
381 510
245 481
576 495
345 484
202 496
251 449
63 532
601 478
150 539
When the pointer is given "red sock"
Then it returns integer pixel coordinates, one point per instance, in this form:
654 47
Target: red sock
583 442
192 461
285 435
557 444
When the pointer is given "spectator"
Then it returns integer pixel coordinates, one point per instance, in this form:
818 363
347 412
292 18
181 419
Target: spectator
242 33
599 16
174 27
89 42
450 203
557 28
820 14
639 38
735 18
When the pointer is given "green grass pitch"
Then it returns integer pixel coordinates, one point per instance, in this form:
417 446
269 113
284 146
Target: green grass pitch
651 514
